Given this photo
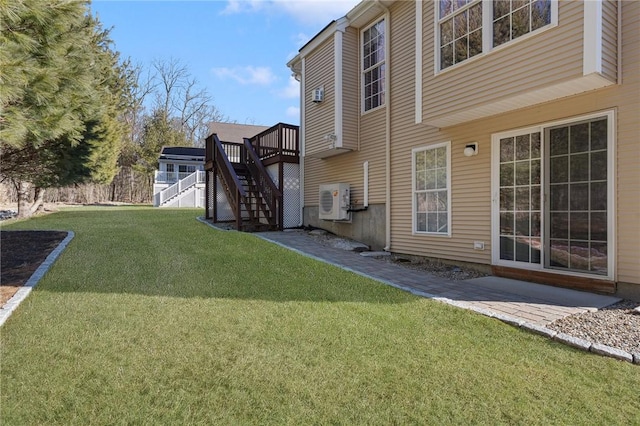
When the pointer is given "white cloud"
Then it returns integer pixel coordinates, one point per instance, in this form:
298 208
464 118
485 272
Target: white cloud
262 76
316 11
242 6
309 12
293 112
291 91
301 39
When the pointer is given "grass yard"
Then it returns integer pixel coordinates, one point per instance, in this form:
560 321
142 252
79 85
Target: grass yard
150 317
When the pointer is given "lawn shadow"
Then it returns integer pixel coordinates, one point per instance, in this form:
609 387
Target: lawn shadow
157 257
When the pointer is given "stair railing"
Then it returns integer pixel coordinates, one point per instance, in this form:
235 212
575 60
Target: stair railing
181 185
266 188
231 183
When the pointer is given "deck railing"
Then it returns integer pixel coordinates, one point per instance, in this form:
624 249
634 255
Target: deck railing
281 139
169 177
183 184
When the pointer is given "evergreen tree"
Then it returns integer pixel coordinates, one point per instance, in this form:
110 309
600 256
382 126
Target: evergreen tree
61 93
158 131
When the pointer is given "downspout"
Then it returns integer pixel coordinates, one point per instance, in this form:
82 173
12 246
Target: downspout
365 165
300 78
387 45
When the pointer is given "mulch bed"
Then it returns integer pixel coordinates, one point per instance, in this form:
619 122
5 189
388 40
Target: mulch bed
21 253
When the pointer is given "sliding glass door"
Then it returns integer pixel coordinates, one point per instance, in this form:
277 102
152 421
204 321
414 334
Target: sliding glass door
519 198
577 188
552 197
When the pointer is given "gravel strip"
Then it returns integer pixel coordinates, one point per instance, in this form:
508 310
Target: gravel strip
614 326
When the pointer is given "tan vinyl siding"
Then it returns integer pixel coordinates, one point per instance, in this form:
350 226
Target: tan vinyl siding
471 176
319 116
366 130
553 56
517 67
372 149
470 183
348 167
628 146
610 39
350 85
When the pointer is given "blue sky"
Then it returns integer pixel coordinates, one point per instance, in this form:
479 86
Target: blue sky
237 49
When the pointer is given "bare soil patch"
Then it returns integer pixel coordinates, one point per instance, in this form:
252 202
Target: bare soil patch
21 253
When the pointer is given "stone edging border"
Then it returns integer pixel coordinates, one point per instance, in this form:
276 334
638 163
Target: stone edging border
585 345
23 292
575 342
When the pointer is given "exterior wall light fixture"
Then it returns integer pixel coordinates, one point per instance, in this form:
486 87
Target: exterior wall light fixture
471 149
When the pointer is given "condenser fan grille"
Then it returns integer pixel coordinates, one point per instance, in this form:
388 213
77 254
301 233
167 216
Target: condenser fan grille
326 201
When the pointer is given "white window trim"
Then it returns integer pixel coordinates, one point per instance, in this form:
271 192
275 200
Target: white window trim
487 34
383 62
419 59
414 208
611 200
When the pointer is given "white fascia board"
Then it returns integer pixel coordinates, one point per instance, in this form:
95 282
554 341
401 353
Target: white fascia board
592 37
315 42
341 24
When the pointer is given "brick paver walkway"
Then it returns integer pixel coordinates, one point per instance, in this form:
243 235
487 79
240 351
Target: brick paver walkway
510 299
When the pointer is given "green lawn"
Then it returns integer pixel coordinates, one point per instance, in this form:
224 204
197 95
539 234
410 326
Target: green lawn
150 317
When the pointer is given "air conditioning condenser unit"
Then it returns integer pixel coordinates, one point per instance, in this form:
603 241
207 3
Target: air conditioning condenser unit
334 202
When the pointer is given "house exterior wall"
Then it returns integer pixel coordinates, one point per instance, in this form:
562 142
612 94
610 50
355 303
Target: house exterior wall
471 177
448 91
320 116
551 58
350 88
164 180
610 39
518 73
363 134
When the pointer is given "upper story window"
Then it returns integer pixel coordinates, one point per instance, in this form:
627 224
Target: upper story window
513 19
463 33
373 65
460 23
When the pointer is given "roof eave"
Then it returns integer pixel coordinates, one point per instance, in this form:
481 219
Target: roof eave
352 17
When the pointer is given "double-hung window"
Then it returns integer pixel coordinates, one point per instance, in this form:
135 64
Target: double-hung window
463 32
460 24
513 19
373 65
432 189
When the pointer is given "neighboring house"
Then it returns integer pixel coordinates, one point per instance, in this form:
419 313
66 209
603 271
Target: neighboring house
496 133
179 180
